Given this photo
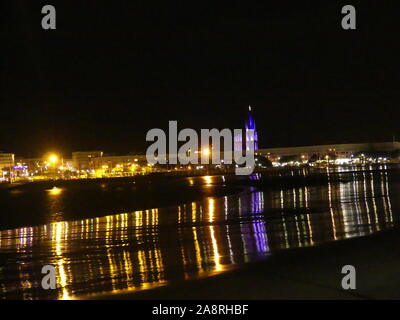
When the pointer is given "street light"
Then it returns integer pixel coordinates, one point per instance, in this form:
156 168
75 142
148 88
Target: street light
53 159
206 151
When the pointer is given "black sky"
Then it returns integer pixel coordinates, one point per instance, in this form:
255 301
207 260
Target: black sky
113 70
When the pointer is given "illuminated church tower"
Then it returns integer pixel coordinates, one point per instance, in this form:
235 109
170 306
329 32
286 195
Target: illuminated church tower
250 124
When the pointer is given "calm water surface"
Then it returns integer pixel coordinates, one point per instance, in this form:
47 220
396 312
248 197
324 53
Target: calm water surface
143 249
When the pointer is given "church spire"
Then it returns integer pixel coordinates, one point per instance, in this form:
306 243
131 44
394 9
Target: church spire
242 140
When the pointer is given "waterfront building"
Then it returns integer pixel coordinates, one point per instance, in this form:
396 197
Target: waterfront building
119 165
7 161
84 160
344 152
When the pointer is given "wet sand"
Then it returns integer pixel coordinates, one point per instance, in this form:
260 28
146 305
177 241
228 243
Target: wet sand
302 273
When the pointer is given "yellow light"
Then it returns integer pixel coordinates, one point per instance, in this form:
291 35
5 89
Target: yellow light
206 152
53 159
55 191
208 180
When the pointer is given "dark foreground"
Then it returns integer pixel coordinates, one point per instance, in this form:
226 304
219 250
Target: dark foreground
302 273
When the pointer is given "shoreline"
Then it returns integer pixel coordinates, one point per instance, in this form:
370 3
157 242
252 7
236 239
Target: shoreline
272 172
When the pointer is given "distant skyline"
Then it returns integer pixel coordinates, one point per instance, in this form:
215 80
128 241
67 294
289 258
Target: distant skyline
110 73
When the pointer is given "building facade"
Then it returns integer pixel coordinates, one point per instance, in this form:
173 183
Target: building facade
84 160
7 161
339 150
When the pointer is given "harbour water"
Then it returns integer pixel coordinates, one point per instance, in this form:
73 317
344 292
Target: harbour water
105 253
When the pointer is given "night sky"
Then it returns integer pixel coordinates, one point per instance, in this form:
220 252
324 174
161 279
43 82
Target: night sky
113 70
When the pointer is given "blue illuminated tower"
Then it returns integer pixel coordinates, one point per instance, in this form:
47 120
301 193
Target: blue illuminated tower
250 124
